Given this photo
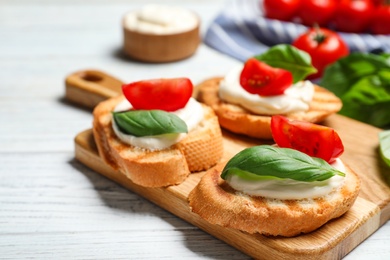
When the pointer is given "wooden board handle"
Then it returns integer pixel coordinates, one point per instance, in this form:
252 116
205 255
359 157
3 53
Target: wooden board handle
89 87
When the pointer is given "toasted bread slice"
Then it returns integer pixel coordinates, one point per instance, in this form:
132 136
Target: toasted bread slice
215 201
199 150
241 121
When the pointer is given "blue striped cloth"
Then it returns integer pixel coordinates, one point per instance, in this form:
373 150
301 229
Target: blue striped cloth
241 31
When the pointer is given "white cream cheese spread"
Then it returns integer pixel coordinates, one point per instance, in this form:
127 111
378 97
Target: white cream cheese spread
287 188
191 114
159 19
295 98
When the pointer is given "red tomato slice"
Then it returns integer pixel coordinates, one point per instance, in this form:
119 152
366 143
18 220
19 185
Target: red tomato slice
312 139
163 94
264 80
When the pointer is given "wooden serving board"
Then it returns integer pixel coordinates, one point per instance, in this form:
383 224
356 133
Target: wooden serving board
332 241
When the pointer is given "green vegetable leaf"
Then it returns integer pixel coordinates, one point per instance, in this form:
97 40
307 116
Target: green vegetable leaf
288 57
362 82
384 146
368 101
386 56
270 162
149 122
345 72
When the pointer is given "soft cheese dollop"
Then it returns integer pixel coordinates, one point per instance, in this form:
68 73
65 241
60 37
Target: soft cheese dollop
191 114
159 19
296 98
287 188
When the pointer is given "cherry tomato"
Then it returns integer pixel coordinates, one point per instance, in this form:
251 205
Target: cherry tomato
317 12
163 94
324 47
377 2
353 15
314 140
380 23
259 78
281 9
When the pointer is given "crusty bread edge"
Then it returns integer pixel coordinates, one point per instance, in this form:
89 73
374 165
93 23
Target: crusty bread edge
216 202
176 163
241 121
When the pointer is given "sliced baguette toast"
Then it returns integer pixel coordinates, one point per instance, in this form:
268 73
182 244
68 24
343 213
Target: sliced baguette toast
215 201
241 121
199 150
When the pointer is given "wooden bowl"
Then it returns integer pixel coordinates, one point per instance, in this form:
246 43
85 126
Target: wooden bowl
162 47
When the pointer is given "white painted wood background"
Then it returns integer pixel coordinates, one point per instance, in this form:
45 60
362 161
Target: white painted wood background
51 206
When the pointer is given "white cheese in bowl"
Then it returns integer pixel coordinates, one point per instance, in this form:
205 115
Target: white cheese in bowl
158 33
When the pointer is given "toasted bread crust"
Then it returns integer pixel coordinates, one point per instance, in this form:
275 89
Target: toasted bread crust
241 121
215 201
200 150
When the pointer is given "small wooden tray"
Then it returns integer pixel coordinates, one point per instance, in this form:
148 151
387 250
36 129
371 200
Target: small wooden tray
332 241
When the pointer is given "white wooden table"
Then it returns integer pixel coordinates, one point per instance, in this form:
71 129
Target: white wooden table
53 207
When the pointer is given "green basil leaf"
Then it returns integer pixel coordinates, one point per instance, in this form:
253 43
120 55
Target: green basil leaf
267 162
386 56
149 122
288 57
384 146
362 82
340 76
368 101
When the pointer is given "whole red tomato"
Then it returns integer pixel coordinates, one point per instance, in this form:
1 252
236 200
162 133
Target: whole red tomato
259 78
314 140
324 47
377 2
163 94
353 15
380 23
280 9
319 12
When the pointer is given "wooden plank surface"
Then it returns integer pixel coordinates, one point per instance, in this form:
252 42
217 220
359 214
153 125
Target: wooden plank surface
361 143
334 240
51 205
